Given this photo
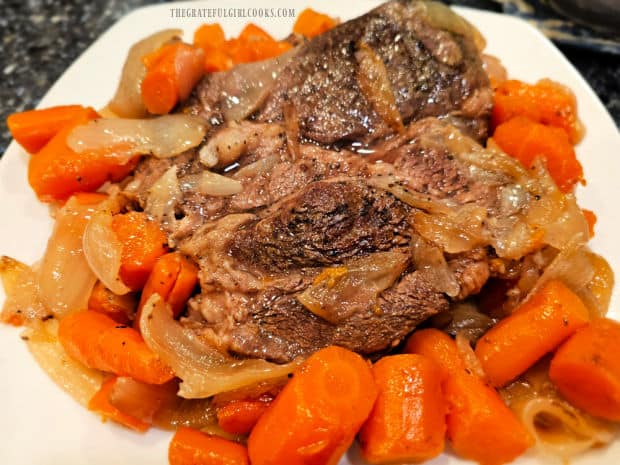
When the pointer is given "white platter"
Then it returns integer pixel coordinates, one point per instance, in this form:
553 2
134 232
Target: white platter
40 424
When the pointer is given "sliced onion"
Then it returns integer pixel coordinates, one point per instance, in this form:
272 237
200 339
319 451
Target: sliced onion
204 370
468 356
77 380
22 304
375 85
341 291
127 101
103 250
259 167
162 137
410 197
163 197
246 86
443 17
210 183
468 321
430 261
65 278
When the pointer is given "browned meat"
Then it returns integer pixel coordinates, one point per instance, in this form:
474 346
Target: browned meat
428 56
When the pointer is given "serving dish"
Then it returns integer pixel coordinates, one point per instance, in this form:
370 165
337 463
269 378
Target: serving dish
40 423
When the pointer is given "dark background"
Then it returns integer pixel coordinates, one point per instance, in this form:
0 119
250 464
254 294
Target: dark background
39 39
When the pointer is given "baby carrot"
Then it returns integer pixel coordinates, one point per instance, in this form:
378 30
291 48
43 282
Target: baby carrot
586 369
143 243
99 342
191 447
315 418
545 102
240 416
120 308
33 129
311 23
408 420
535 328
479 425
209 37
174 278
56 172
172 72
526 140
100 403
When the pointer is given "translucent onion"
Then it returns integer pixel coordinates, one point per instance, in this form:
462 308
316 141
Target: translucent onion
210 183
203 369
77 380
163 197
103 251
159 405
161 137
339 292
261 166
22 304
65 277
430 261
127 101
468 356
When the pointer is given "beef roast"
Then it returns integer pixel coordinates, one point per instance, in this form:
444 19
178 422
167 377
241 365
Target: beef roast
425 54
312 203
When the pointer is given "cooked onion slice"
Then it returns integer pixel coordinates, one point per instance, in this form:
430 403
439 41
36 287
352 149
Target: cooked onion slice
103 250
163 197
65 278
77 380
339 292
127 101
162 137
204 370
210 183
430 261
22 304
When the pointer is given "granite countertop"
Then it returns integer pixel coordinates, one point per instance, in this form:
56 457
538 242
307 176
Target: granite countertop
41 38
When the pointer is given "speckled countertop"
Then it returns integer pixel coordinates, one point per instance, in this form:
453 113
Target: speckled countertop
40 39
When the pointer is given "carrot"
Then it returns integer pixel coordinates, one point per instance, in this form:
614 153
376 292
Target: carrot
526 140
33 129
143 243
479 425
100 403
57 172
586 369
172 72
408 420
534 329
174 278
120 308
209 37
545 102
89 198
311 23
254 44
591 219
314 419
191 447
240 416
217 60
99 342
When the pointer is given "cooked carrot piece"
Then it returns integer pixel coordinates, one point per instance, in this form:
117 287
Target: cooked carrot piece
254 44
545 102
100 403
89 198
209 37
172 72
526 140
591 219
57 172
143 243
408 420
191 447
479 425
535 328
217 60
99 342
33 129
240 416
120 308
315 418
311 23
174 278
586 369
